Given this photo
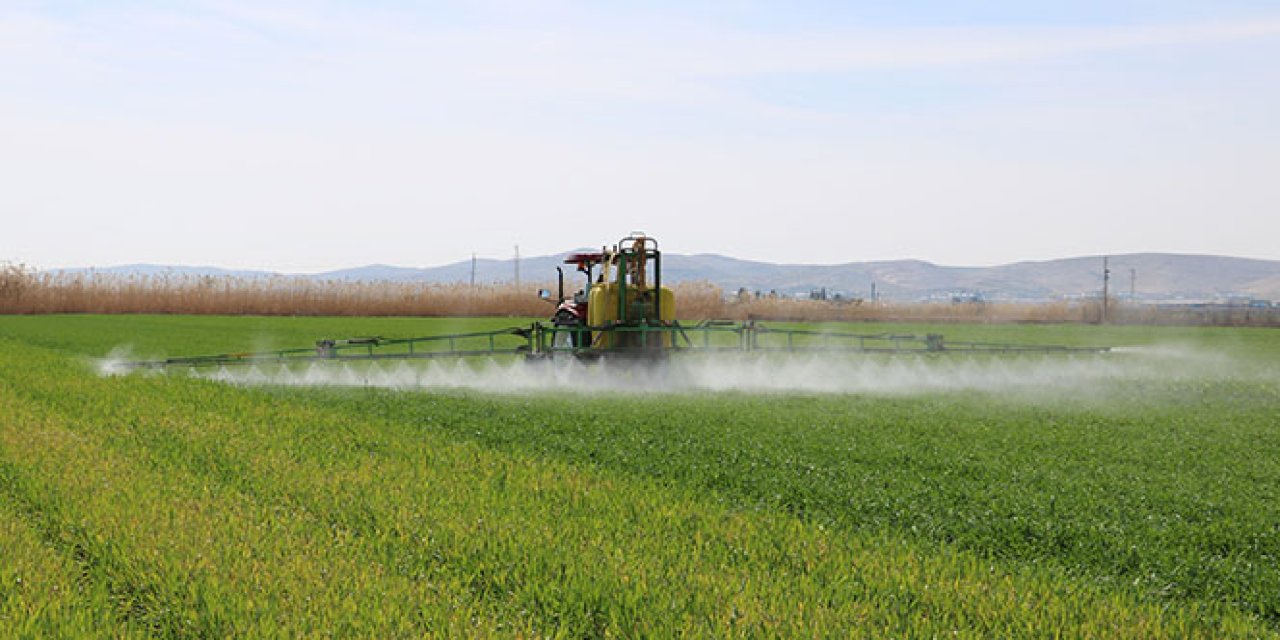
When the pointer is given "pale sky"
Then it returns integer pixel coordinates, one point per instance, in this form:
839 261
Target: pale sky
307 136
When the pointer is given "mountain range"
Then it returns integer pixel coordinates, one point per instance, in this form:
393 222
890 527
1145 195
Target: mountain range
1151 276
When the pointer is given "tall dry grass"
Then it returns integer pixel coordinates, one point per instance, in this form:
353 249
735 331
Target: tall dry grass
25 291
698 301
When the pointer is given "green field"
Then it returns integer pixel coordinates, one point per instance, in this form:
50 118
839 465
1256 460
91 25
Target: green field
1048 499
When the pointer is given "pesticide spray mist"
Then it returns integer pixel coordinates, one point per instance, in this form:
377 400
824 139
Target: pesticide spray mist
1064 375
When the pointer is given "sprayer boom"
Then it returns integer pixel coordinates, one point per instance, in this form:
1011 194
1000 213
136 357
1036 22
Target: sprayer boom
542 340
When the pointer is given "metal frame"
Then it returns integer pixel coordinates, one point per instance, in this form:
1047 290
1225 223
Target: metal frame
538 341
755 337
368 348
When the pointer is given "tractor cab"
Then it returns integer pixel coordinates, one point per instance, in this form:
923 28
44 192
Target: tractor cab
585 263
571 312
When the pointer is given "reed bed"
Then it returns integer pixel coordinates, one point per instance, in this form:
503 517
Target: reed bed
25 291
697 301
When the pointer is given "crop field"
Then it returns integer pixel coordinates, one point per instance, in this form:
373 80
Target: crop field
1135 494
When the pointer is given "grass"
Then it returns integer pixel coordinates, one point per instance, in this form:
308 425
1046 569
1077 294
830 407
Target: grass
178 507
1180 502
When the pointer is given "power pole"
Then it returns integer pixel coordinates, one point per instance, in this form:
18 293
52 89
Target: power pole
473 269
517 266
1133 284
1106 282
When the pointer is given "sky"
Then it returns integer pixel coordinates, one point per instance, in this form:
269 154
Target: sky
308 136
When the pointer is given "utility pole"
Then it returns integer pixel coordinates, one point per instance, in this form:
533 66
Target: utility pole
1106 282
517 266
1133 284
473 269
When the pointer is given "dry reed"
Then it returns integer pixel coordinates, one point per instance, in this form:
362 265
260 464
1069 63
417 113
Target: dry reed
25 291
